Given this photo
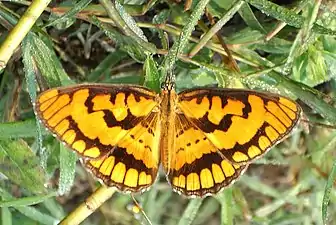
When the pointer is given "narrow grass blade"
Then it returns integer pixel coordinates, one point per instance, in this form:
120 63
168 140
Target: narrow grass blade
20 129
69 14
29 211
37 215
179 45
127 24
190 212
225 200
248 16
125 43
30 76
327 192
26 201
68 160
286 15
6 216
111 60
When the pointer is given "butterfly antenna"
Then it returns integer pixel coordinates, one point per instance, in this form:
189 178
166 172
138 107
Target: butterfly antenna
141 210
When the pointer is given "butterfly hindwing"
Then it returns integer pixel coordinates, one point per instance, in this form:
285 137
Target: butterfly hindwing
197 168
92 118
132 165
242 124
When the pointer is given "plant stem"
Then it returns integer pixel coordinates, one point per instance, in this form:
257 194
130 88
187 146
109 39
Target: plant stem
21 29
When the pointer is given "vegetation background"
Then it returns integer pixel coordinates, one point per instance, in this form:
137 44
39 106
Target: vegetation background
286 47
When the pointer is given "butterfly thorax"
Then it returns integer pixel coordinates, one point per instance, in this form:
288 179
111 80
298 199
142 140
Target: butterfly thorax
167 116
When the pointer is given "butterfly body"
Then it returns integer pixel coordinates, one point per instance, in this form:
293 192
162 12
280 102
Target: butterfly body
167 117
204 138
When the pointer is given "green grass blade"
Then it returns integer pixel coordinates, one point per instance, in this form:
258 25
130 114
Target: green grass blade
37 215
19 129
30 76
127 24
327 193
286 15
225 200
53 72
190 212
68 160
54 208
248 16
125 43
30 211
69 14
26 201
111 60
6 216
179 45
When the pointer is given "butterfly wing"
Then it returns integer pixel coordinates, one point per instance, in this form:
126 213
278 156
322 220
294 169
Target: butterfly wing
132 165
99 122
242 124
197 168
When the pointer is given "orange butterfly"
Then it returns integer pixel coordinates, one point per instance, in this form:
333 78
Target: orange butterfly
205 138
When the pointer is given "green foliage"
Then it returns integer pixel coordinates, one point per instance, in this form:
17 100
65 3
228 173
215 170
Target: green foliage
140 42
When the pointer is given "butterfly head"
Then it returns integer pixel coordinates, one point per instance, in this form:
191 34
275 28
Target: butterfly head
168 86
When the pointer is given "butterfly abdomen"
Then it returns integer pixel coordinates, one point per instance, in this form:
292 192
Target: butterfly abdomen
167 118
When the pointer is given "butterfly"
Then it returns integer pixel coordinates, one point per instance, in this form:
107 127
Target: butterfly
205 138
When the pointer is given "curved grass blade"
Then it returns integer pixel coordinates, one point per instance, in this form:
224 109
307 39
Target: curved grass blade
327 192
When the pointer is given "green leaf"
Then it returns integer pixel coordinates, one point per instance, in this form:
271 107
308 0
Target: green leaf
152 75
46 61
21 165
125 43
310 67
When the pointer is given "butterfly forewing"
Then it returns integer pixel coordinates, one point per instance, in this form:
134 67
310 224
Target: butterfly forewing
242 124
105 124
91 119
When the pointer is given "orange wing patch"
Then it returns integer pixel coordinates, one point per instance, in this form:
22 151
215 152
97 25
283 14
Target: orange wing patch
197 167
132 165
92 119
242 124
